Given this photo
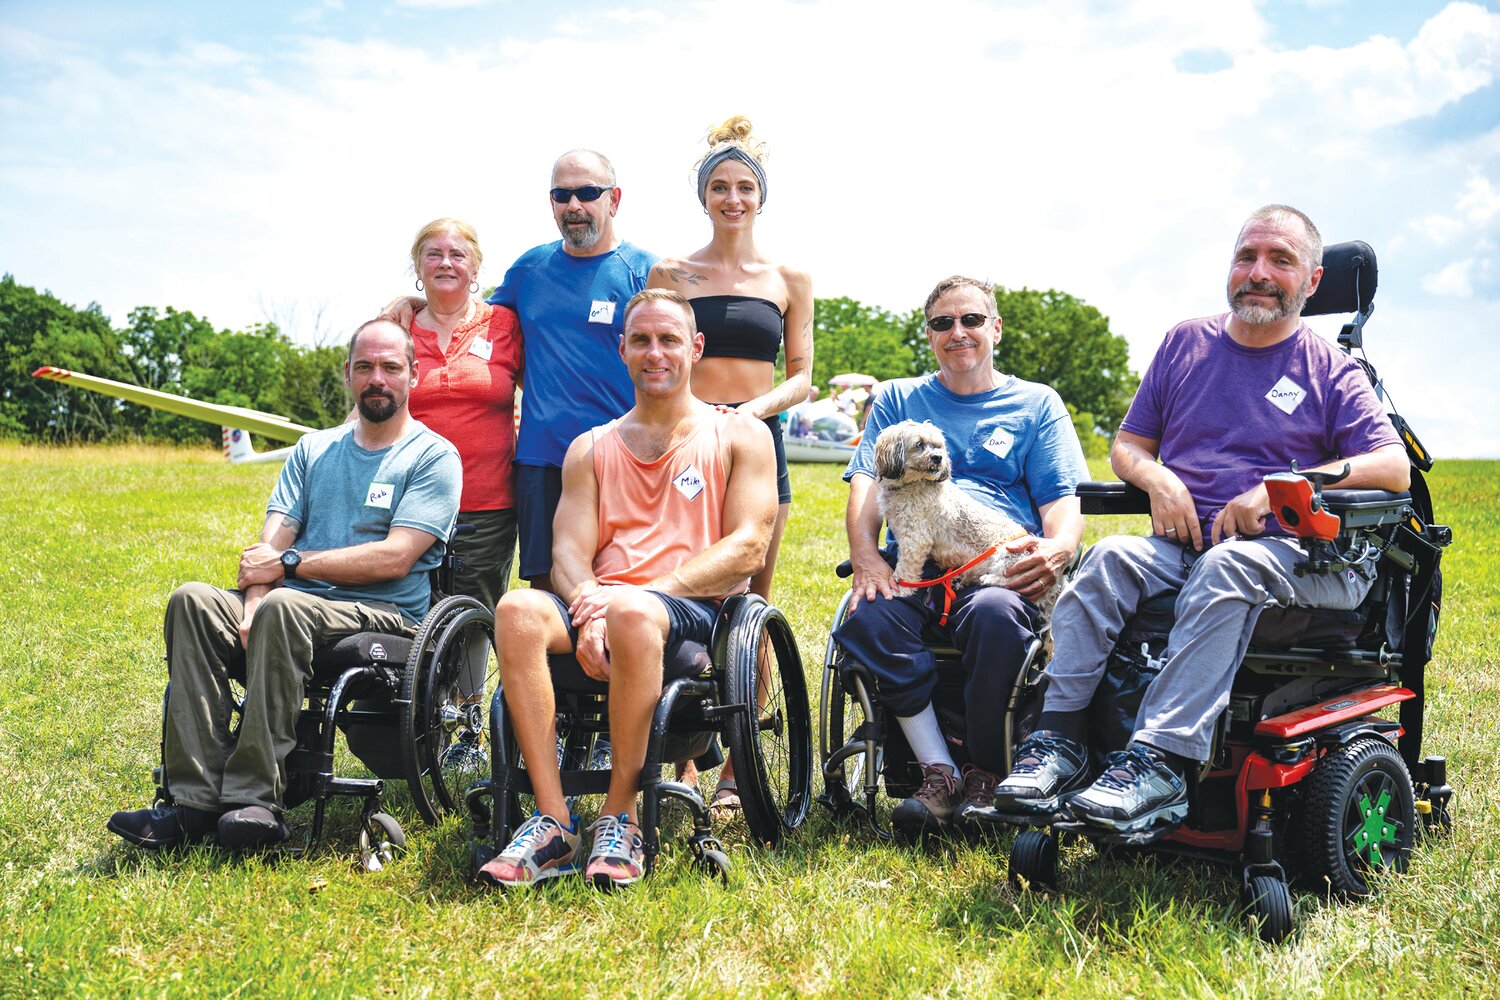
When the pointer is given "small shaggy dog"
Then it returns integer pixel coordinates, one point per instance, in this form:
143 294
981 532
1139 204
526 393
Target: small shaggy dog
933 519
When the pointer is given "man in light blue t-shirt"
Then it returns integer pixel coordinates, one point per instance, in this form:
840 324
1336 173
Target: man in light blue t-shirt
1013 447
357 520
571 297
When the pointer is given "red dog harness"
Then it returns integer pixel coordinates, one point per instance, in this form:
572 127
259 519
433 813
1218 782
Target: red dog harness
946 581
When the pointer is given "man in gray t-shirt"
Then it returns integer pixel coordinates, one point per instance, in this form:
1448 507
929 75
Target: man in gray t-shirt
358 518
1225 401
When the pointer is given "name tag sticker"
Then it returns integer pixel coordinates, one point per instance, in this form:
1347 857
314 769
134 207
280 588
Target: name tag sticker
1286 395
481 348
380 495
1000 442
602 312
689 482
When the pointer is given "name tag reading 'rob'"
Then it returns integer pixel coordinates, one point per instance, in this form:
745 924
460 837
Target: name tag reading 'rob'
380 495
602 312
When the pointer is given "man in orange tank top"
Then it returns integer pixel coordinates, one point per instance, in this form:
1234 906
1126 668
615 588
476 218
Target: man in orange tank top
664 512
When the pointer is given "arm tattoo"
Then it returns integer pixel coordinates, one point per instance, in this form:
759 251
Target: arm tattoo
680 274
798 360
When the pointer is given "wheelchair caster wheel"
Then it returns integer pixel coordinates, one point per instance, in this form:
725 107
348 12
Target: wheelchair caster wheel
1033 859
1268 904
714 863
380 840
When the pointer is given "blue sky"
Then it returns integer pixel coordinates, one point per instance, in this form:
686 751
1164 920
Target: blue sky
272 160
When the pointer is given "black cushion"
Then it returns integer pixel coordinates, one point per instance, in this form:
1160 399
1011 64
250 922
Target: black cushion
363 647
1349 279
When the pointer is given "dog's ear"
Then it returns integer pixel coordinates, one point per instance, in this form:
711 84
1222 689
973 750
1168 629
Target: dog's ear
890 456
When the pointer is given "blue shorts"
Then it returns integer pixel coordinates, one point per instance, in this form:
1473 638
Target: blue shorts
690 630
538 489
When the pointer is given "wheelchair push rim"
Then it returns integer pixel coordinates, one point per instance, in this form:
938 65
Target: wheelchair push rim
445 728
771 742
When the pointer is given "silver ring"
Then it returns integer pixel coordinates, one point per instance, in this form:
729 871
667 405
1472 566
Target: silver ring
1171 531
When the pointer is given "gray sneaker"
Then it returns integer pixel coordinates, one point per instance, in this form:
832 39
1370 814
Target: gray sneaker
1048 766
931 808
1139 797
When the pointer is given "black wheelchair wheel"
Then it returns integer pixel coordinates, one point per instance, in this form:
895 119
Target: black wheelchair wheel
1359 816
1268 904
771 744
444 725
839 718
1033 859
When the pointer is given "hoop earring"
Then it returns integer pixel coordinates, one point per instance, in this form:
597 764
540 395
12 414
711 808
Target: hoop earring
473 287
419 285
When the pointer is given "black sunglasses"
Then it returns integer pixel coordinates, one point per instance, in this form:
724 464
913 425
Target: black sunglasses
971 321
589 192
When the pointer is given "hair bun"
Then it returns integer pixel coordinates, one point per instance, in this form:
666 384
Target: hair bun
733 129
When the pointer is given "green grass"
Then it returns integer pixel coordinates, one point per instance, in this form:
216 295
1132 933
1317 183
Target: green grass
98 538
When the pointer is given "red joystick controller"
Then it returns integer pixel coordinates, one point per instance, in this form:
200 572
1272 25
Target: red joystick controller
1297 501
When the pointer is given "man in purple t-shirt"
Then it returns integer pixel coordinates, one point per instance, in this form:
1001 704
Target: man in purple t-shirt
1226 400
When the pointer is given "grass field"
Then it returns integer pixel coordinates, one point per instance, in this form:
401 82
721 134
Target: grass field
98 538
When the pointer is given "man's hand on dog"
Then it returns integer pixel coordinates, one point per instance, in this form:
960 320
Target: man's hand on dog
1034 574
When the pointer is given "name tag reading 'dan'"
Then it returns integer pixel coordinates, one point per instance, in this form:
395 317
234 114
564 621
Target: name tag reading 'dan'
481 348
380 495
602 312
1000 442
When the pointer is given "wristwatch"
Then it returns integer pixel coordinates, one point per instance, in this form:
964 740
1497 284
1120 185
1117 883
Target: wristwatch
290 560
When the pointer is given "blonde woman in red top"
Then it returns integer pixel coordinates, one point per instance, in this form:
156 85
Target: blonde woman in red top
468 361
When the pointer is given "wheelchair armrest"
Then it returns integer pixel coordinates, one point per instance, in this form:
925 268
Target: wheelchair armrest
1113 498
1362 508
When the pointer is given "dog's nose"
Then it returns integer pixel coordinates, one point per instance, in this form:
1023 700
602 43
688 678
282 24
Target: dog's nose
935 461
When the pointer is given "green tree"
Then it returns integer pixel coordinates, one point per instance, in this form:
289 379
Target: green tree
851 337
37 329
1062 341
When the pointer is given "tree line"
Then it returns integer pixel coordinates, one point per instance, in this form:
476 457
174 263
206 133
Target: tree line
1049 336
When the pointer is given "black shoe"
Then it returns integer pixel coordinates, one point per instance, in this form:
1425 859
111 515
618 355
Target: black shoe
251 827
164 826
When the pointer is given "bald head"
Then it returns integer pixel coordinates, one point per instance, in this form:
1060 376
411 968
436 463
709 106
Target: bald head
385 326
588 160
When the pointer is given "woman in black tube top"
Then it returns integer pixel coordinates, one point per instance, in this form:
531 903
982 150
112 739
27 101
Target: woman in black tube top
746 306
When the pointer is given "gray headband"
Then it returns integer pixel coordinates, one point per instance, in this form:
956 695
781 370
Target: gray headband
729 152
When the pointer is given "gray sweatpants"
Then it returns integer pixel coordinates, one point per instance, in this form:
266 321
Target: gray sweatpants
206 767
1221 593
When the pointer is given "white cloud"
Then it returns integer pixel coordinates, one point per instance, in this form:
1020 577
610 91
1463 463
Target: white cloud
625 15
1451 280
1049 144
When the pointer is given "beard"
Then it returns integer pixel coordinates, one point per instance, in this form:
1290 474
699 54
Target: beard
377 407
1256 315
579 239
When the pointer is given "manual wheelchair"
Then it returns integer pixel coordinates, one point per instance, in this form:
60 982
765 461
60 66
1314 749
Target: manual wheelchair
1303 776
412 708
860 743
750 694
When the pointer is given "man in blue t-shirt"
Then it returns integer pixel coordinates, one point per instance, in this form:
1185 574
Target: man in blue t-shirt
1013 447
571 297
1226 400
358 518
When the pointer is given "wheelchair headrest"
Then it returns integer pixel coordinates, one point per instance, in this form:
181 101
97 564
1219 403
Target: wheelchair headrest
1349 279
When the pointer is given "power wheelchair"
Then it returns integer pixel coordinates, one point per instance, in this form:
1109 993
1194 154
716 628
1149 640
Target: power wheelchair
412 708
1304 777
751 695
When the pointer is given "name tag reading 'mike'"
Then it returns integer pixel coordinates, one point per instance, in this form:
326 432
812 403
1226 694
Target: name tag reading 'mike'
380 495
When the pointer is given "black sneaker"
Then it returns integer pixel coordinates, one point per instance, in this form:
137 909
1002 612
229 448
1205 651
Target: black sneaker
931 808
1139 798
251 827
1048 766
164 826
